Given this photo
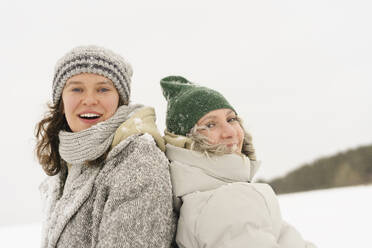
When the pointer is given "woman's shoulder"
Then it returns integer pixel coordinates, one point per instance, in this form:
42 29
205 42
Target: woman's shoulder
255 196
138 168
141 145
253 191
138 156
52 183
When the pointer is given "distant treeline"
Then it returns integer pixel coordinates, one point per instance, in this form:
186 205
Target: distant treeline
351 167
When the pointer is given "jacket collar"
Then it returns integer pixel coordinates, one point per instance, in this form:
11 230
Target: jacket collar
140 122
193 171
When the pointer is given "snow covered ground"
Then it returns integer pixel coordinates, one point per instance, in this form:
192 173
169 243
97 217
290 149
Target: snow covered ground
27 235
329 218
332 218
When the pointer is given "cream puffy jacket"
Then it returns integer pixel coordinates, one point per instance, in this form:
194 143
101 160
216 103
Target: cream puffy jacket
221 209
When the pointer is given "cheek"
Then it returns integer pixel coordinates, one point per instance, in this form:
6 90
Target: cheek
212 136
111 105
69 104
240 134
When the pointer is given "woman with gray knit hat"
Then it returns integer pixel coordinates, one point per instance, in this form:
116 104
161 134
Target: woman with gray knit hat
109 183
212 164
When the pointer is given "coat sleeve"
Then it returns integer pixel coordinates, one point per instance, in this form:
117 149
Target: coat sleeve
138 210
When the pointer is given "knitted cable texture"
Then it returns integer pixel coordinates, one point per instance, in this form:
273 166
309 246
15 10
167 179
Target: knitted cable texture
93 59
91 143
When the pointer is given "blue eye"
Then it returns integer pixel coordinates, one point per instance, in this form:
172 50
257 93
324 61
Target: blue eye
76 90
104 89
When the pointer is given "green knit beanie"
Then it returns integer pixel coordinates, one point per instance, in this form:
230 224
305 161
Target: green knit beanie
188 102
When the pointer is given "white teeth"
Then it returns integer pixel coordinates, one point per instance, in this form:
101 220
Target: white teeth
89 115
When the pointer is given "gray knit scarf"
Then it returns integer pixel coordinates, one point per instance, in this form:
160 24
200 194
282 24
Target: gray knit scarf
91 143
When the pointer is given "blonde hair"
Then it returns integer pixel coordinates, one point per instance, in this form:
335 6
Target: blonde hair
201 144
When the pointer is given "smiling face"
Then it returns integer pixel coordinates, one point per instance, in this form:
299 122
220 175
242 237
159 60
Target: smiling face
221 126
88 99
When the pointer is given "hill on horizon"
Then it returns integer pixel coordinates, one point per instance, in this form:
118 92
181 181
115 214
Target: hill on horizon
347 168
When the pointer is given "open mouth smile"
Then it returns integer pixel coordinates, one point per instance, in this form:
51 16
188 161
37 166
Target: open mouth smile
90 118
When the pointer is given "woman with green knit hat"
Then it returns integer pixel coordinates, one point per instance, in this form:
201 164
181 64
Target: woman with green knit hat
212 164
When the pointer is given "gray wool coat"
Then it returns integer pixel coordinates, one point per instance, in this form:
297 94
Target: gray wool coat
127 202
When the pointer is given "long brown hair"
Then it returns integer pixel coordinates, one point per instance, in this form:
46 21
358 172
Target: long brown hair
46 133
47 145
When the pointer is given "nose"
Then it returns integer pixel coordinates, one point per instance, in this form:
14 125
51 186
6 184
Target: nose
227 131
89 99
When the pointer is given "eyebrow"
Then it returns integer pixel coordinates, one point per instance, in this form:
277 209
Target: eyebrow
80 82
229 112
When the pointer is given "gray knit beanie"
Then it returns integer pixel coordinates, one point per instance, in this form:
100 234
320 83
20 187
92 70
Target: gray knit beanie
93 59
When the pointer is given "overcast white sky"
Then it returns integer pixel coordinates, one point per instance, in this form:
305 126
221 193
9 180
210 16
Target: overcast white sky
298 72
